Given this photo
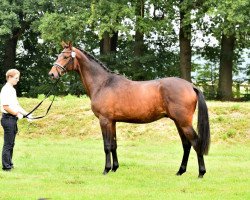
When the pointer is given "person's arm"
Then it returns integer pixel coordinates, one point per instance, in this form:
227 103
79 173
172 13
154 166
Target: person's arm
22 111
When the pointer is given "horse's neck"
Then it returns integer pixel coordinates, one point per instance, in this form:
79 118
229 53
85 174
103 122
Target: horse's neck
92 76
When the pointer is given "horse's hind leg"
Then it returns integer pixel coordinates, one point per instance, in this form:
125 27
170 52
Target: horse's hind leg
186 150
201 163
192 137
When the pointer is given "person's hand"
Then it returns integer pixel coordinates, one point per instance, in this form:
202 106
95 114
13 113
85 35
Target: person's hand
29 118
19 116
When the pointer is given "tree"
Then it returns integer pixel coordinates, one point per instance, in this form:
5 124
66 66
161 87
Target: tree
135 38
139 46
109 14
226 67
16 20
185 40
231 27
12 26
111 24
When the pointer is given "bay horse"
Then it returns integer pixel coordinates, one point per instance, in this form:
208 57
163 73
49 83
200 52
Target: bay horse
115 98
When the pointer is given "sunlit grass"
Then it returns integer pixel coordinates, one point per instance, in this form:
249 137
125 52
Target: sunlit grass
71 168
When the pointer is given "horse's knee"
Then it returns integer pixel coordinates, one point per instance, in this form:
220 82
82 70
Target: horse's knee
113 147
107 148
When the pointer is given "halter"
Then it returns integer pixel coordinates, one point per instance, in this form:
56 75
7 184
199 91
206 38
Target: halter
63 67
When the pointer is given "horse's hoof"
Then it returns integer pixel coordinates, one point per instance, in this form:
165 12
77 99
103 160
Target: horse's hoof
105 171
181 171
178 174
201 173
115 168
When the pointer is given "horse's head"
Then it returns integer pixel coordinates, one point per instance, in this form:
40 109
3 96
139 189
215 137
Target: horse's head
65 61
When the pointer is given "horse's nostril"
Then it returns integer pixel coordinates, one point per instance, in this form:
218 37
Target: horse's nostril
51 74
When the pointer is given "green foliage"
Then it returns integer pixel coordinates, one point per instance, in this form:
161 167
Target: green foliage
56 27
207 77
8 18
107 16
85 22
230 18
17 15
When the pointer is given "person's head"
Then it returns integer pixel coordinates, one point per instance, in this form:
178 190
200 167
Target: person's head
12 76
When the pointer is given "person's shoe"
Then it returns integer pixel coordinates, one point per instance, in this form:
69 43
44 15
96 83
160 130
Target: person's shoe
7 169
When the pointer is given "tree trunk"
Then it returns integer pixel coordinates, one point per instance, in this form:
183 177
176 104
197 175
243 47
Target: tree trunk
10 53
105 44
226 68
9 56
185 47
109 44
114 42
139 46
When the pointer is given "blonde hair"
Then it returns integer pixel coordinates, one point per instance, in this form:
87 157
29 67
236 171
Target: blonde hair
12 73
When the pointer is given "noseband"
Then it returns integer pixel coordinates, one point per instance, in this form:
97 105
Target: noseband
63 68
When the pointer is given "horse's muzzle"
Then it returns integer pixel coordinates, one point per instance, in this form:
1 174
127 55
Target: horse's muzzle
53 75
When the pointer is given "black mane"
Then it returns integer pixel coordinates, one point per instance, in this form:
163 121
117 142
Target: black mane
91 57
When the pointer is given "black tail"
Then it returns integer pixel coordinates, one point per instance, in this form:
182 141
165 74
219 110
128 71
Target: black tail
203 124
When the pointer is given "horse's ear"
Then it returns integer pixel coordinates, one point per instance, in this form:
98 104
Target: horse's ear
63 44
70 45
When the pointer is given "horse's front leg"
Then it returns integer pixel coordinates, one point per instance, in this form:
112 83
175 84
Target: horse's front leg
109 141
113 149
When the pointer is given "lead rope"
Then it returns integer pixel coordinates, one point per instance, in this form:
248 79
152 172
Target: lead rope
38 105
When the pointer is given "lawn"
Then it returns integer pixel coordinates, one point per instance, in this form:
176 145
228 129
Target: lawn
61 157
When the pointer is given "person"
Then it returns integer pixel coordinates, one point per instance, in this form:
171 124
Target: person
11 112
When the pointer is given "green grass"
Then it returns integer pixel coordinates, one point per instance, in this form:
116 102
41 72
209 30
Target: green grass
61 157
60 168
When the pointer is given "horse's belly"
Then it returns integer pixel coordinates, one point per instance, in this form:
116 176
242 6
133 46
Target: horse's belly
140 114
138 120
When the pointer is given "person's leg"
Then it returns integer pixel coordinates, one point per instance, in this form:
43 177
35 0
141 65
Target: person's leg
9 126
11 152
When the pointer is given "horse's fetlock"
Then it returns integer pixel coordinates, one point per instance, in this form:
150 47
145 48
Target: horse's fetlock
115 167
202 171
